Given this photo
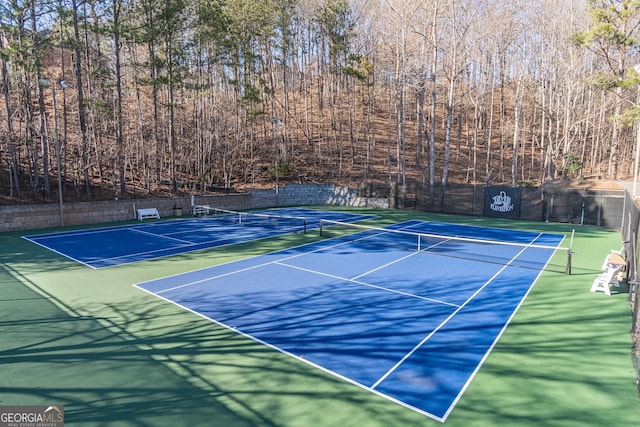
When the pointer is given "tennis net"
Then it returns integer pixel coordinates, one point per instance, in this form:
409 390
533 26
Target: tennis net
256 219
524 255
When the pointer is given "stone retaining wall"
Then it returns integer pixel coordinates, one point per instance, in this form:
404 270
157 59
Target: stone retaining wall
24 217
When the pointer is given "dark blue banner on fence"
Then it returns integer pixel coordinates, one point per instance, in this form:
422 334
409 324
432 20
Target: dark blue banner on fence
502 202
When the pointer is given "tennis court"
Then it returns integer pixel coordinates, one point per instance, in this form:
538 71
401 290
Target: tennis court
409 312
114 354
112 246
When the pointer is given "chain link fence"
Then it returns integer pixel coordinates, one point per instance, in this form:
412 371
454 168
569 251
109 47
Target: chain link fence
629 231
601 208
609 209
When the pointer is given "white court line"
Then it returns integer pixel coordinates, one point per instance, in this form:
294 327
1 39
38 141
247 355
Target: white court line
322 248
77 233
366 273
248 268
163 236
155 250
58 252
132 228
293 355
347 379
495 341
400 259
441 325
72 233
187 244
367 284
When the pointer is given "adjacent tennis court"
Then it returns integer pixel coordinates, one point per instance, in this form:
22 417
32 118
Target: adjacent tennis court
111 246
114 354
409 312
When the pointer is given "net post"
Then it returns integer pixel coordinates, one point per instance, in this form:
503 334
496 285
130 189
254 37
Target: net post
570 253
304 222
321 226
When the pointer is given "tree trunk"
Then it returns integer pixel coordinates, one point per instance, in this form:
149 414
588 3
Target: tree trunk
118 69
434 100
14 187
81 102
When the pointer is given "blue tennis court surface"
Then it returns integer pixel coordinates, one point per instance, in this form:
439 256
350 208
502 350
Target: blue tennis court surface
413 326
110 246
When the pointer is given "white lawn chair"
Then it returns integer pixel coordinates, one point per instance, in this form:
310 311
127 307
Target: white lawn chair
609 276
613 259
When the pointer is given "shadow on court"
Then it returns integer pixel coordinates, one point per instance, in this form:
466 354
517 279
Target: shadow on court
51 357
150 365
114 356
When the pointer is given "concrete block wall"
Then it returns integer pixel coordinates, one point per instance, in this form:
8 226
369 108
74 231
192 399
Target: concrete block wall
25 217
303 194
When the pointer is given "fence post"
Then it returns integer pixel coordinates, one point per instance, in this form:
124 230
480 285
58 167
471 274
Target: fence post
634 301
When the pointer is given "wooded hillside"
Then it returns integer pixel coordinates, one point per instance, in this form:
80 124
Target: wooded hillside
112 98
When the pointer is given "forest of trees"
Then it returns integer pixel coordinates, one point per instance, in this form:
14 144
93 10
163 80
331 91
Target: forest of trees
121 97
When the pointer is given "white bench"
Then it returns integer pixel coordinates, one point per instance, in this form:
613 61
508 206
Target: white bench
613 265
197 210
148 213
